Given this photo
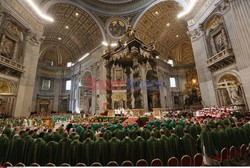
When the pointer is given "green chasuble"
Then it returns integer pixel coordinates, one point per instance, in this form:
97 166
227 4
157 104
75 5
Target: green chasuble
62 152
107 135
14 154
247 130
216 139
179 131
127 150
56 136
145 133
119 134
4 145
165 148
74 152
114 146
189 145
79 130
152 149
140 148
51 152
193 131
175 146
87 152
27 142
206 140
7 132
84 134
36 152
101 151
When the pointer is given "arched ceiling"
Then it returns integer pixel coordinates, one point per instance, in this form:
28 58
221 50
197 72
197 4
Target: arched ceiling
112 7
56 54
73 29
160 24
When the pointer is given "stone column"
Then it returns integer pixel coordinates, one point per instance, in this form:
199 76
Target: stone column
93 98
27 80
156 93
237 21
108 78
129 86
204 74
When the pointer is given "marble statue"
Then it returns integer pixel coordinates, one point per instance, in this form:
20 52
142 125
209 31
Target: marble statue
236 98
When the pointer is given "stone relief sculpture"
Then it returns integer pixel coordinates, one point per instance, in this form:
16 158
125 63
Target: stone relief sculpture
8 48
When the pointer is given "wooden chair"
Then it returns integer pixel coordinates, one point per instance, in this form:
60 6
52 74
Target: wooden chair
96 164
7 164
80 165
232 152
142 162
198 159
173 161
156 162
35 165
65 165
243 150
127 163
223 156
113 163
20 165
186 160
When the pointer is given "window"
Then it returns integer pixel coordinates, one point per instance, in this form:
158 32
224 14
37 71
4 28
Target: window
68 85
172 82
69 64
170 62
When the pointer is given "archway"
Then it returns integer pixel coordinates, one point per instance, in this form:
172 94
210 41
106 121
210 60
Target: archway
85 99
44 106
230 90
7 97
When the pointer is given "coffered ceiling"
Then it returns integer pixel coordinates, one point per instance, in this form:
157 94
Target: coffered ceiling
73 29
160 24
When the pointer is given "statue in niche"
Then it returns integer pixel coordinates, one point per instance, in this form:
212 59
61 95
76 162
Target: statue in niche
219 42
236 97
8 48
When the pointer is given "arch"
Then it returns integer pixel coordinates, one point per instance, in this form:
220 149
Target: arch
183 3
85 75
232 72
7 87
205 22
48 4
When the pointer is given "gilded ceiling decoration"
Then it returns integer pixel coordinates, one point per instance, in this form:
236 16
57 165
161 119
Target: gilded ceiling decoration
160 24
182 54
114 7
55 56
73 29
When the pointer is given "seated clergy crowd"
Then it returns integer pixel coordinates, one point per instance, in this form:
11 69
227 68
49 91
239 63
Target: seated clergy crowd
161 139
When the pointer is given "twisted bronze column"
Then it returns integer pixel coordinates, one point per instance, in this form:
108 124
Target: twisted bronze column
129 88
108 67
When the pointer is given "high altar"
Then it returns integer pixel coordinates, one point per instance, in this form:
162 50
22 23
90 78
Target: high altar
141 87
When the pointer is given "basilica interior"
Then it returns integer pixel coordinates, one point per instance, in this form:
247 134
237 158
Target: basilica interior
49 52
116 65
